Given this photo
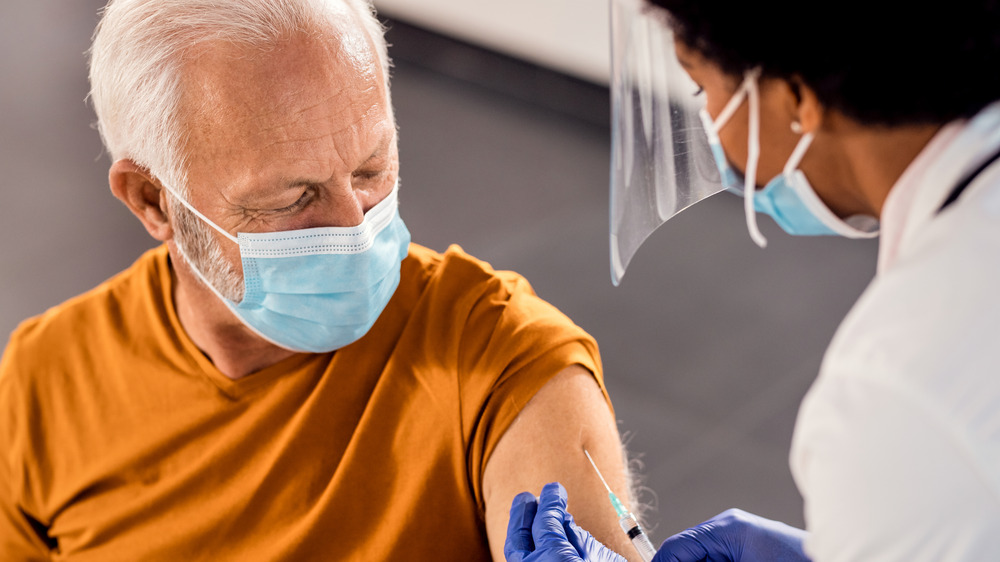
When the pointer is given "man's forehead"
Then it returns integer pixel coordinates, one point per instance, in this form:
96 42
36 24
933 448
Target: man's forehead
223 82
308 99
340 49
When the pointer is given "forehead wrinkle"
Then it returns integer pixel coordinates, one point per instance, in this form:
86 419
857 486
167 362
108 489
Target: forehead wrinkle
301 115
327 131
317 159
287 117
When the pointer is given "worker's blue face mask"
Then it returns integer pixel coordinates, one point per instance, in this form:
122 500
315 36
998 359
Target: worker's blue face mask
788 198
318 289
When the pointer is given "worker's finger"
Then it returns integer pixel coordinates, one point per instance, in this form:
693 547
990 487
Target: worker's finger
522 514
682 547
575 535
547 529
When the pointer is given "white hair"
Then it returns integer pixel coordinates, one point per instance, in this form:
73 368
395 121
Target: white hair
137 58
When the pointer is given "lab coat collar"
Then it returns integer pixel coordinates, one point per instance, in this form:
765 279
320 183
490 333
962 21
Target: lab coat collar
918 194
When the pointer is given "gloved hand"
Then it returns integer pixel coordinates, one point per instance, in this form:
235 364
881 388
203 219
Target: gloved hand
735 536
543 531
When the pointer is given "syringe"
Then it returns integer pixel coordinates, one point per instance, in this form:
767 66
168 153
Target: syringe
627 521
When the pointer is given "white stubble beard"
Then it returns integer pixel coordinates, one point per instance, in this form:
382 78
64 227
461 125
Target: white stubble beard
203 254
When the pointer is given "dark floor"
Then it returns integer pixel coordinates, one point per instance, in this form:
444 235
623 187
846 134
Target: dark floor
708 345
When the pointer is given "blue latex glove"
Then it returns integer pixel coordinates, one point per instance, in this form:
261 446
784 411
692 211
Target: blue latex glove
541 530
735 536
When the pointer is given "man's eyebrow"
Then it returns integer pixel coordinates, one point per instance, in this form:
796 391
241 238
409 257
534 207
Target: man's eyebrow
302 183
382 148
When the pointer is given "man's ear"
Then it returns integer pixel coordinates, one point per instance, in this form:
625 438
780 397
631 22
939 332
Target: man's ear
134 186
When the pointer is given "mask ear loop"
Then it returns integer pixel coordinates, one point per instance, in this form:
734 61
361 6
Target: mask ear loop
734 104
800 151
753 157
198 214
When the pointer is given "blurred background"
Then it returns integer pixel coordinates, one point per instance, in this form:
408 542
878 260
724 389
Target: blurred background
708 345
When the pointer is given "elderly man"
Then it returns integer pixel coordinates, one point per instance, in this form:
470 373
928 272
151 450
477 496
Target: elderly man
286 377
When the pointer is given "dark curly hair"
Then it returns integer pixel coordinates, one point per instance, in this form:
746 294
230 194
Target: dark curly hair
880 62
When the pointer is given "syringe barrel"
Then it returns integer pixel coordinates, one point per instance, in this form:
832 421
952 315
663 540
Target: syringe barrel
629 523
644 547
638 537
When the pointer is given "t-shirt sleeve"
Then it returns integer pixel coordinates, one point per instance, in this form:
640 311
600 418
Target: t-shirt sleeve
885 476
19 539
513 343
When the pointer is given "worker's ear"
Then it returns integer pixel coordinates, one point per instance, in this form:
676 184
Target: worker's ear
805 107
134 186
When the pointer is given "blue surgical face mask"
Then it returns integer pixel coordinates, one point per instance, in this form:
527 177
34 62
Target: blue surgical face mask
788 198
318 289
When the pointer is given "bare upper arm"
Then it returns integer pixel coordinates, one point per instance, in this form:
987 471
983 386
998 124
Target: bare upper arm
545 444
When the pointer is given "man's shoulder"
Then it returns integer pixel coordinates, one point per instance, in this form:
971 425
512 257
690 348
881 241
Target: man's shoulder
465 297
107 308
456 272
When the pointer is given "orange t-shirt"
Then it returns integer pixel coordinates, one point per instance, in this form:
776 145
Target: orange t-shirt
121 441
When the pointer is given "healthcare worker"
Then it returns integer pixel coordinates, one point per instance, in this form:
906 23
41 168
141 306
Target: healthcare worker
855 119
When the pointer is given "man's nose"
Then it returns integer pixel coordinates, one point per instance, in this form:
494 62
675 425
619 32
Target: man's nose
346 207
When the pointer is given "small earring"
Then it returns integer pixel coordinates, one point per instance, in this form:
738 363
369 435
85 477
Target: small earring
796 127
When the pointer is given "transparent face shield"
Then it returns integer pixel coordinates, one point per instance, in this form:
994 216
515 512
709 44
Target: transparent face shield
661 162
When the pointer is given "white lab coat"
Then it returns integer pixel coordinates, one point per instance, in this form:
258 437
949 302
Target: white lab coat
897 445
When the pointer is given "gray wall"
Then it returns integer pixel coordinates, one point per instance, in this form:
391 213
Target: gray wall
64 232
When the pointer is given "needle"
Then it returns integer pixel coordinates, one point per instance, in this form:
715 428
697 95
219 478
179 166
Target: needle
626 520
608 488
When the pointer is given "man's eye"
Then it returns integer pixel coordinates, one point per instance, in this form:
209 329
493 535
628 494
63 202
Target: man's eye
301 202
369 175
699 92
